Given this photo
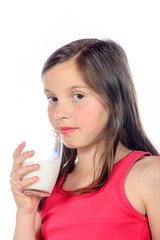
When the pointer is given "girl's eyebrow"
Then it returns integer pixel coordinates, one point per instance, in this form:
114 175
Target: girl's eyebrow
73 87
47 91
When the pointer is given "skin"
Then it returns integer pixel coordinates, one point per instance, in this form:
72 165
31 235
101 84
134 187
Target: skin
82 109
26 205
78 107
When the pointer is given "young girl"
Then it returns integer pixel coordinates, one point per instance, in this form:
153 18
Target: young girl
109 182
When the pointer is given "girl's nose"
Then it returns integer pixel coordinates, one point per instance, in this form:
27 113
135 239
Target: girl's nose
62 111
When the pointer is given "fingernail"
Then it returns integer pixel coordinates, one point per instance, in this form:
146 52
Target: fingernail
22 144
35 166
35 178
31 152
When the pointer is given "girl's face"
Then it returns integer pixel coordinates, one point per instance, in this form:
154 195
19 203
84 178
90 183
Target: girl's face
74 109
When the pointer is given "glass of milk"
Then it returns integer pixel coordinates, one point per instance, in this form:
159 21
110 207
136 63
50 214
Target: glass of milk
48 150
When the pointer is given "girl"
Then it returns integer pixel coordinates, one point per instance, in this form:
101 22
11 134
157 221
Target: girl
109 182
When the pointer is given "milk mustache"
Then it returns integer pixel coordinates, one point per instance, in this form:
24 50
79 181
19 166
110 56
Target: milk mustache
47 173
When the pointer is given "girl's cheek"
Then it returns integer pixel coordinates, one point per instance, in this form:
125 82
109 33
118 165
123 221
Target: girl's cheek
84 115
51 116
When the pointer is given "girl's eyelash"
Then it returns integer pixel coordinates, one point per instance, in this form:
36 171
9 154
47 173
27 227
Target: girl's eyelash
52 99
78 96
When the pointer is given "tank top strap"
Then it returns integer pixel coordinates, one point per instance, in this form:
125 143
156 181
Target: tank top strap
125 163
122 167
115 184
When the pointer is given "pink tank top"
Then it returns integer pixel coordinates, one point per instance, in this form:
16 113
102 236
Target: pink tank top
103 214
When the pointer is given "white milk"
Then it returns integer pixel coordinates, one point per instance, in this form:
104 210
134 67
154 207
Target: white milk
47 173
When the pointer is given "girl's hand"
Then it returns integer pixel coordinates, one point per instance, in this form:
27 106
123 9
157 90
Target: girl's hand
25 203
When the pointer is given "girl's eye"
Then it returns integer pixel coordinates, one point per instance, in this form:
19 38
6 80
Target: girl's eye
78 96
52 99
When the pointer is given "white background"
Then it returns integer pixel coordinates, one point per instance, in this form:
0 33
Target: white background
31 30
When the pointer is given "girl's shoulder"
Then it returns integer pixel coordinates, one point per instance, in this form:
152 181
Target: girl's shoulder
142 182
147 171
149 175
149 167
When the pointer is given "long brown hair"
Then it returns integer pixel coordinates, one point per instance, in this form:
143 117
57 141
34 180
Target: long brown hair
104 67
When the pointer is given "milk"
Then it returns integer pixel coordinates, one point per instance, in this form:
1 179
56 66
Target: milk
47 173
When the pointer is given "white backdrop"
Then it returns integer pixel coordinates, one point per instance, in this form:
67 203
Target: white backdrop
31 30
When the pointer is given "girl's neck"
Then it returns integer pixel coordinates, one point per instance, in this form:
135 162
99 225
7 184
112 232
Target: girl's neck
88 161
121 152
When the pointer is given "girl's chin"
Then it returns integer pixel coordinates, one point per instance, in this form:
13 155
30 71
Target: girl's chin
69 145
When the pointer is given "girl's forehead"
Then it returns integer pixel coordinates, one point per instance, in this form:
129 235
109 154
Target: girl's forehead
64 73
60 67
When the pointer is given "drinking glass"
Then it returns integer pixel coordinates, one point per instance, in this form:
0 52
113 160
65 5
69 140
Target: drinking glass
48 151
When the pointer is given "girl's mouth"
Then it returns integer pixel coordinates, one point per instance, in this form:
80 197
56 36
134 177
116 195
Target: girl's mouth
67 130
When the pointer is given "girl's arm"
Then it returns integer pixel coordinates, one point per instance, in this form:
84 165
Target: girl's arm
151 195
38 232
26 205
28 226
25 226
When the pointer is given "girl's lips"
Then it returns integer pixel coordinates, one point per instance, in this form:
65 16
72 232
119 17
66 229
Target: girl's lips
67 130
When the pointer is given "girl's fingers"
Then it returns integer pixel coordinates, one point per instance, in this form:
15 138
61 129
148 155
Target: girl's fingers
21 158
17 170
17 186
21 172
18 150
